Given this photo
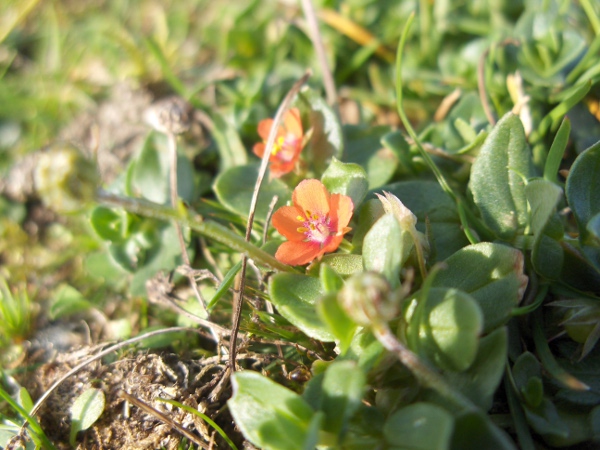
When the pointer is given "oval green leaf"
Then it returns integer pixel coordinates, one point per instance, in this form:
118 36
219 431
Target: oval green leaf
235 186
295 297
420 426
498 178
269 415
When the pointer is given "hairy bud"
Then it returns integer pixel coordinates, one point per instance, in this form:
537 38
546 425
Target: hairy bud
368 299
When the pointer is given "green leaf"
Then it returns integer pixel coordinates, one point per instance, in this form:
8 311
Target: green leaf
420 426
447 330
432 205
295 297
547 256
327 139
527 373
67 301
231 150
480 381
542 196
343 264
165 254
364 147
269 415
557 150
475 431
109 224
337 321
330 280
234 188
386 247
342 391
492 274
86 409
583 187
498 178
150 177
346 178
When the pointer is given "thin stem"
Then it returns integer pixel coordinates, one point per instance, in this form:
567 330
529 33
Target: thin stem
481 87
423 373
317 40
238 289
206 228
148 409
172 144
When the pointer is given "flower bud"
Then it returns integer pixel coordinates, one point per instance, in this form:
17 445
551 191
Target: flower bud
368 299
170 115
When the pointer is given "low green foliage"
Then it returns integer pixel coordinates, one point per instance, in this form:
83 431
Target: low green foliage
460 306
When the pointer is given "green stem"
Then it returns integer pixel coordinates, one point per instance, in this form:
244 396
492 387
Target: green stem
411 132
186 218
548 360
421 371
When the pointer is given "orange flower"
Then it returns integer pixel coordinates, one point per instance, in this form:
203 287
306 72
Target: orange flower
314 225
288 143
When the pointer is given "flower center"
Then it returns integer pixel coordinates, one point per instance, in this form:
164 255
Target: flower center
285 147
316 227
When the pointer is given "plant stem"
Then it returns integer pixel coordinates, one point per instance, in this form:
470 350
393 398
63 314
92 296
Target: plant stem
423 373
206 228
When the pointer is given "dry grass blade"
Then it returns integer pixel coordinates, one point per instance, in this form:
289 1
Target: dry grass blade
154 412
317 40
239 281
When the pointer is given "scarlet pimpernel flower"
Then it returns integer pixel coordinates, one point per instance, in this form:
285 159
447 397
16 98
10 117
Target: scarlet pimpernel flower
288 143
314 225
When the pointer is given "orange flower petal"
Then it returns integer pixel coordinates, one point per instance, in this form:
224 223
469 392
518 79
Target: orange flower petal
264 128
311 195
297 253
341 210
285 220
293 123
333 244
259 149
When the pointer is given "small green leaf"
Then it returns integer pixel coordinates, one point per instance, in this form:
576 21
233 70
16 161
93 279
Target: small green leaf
343 264
364 147
231 150
330 280
542 196
346 178
583 187
436 214
295 297
557 150
526 370
327 139
547 256
109 224
86 409
269 415
492 274
342 392
420 426
234 189
338 322
498 178
150 171
67 301
386 247
449 329
475 431
480 381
